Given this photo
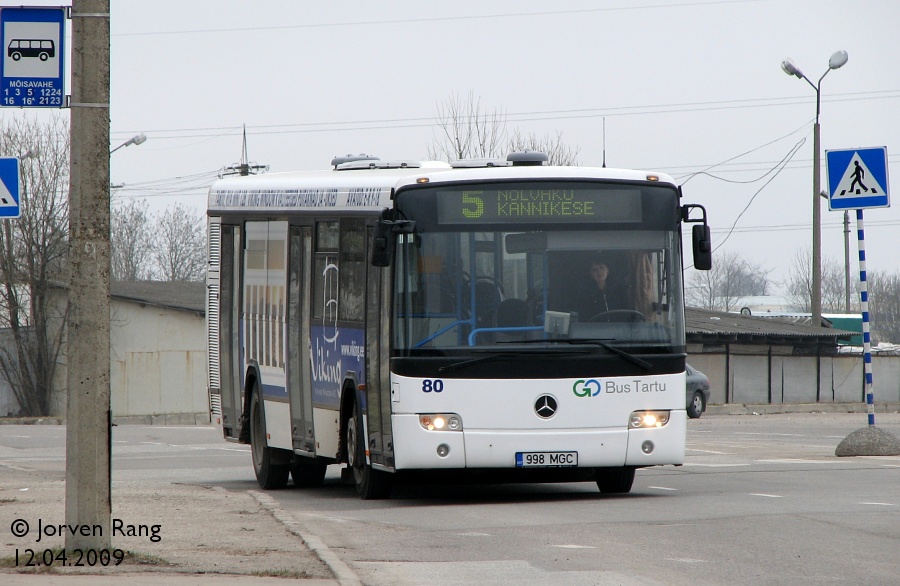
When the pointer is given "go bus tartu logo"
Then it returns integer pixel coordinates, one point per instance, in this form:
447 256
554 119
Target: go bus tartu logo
586 388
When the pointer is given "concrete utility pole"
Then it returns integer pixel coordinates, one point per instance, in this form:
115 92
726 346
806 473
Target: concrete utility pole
838 60
88 502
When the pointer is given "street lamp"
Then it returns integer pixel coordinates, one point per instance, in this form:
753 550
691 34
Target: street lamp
838 59
136 139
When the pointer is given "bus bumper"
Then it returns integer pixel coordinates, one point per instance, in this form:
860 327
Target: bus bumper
419 449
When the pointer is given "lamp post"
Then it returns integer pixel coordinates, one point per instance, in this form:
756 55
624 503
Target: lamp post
838 59
136 139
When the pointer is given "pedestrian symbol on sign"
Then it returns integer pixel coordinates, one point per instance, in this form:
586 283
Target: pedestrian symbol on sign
857 178
858 175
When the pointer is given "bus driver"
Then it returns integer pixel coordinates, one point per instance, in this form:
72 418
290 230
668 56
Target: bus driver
603 294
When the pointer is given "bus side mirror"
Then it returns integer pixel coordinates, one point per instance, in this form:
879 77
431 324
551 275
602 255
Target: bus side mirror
382 244
702 247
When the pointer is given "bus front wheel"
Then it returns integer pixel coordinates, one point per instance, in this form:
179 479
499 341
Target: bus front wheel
271 465
615 480
370 483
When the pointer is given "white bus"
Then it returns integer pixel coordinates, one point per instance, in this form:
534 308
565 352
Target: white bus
426 320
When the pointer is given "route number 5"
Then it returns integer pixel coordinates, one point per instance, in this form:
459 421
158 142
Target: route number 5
471 197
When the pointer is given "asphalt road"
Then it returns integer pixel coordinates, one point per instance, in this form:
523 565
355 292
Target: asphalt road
761 500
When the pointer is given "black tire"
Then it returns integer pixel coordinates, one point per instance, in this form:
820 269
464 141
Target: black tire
271 465
697 405
615 480
370 484
307 472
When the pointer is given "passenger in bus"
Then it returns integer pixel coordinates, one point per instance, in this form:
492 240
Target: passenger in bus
605 292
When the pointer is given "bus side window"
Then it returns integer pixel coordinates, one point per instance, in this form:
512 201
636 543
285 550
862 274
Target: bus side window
352 270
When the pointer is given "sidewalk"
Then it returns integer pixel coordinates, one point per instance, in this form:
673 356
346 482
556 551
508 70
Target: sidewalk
177 533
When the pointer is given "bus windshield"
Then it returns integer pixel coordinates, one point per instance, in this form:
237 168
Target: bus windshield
504 266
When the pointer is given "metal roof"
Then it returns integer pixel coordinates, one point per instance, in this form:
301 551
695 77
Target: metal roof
705 325
187 296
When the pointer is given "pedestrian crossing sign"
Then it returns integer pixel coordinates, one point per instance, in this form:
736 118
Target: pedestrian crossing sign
9 187
858 179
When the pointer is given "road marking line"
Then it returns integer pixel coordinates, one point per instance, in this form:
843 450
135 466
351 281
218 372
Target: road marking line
880 504
769 434
14 467
576 546
662 488
697 464
771 496
797 461
710 452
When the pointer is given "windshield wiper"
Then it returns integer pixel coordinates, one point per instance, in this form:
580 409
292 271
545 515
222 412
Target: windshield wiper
617 351
602 342
493 356
473 361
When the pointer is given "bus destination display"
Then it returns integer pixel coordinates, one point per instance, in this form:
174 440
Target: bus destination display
502 205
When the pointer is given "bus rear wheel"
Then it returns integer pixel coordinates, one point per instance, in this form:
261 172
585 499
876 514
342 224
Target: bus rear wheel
370 483
615 480
270 465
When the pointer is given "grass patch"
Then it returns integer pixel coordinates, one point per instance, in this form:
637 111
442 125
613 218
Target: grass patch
281 574
145 559
37 568
131 558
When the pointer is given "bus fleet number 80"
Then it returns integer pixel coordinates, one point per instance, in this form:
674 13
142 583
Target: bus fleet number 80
429 386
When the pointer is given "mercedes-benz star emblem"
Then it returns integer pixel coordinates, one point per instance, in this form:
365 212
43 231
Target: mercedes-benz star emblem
545 406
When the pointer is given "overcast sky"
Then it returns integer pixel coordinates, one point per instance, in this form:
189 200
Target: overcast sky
684 87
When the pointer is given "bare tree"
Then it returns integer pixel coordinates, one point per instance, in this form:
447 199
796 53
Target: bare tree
132 237
799 286
180 245
730 278
466 131
884 305
558 152
32 257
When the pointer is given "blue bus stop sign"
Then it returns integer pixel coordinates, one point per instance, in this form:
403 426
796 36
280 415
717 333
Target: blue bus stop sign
858 179
31 66
9 188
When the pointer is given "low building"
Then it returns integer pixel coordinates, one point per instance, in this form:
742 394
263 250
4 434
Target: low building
756 360
157 353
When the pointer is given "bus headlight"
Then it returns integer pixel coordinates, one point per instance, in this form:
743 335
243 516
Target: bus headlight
440 421
648 419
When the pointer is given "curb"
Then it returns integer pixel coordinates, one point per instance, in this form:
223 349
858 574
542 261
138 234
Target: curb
770 409
342 572
192 419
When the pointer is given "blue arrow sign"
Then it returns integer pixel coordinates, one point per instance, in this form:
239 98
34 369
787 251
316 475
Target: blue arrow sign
31 66
9 188
858 179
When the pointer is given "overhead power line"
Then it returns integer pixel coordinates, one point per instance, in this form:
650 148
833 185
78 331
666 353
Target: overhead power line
478 17
538 115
